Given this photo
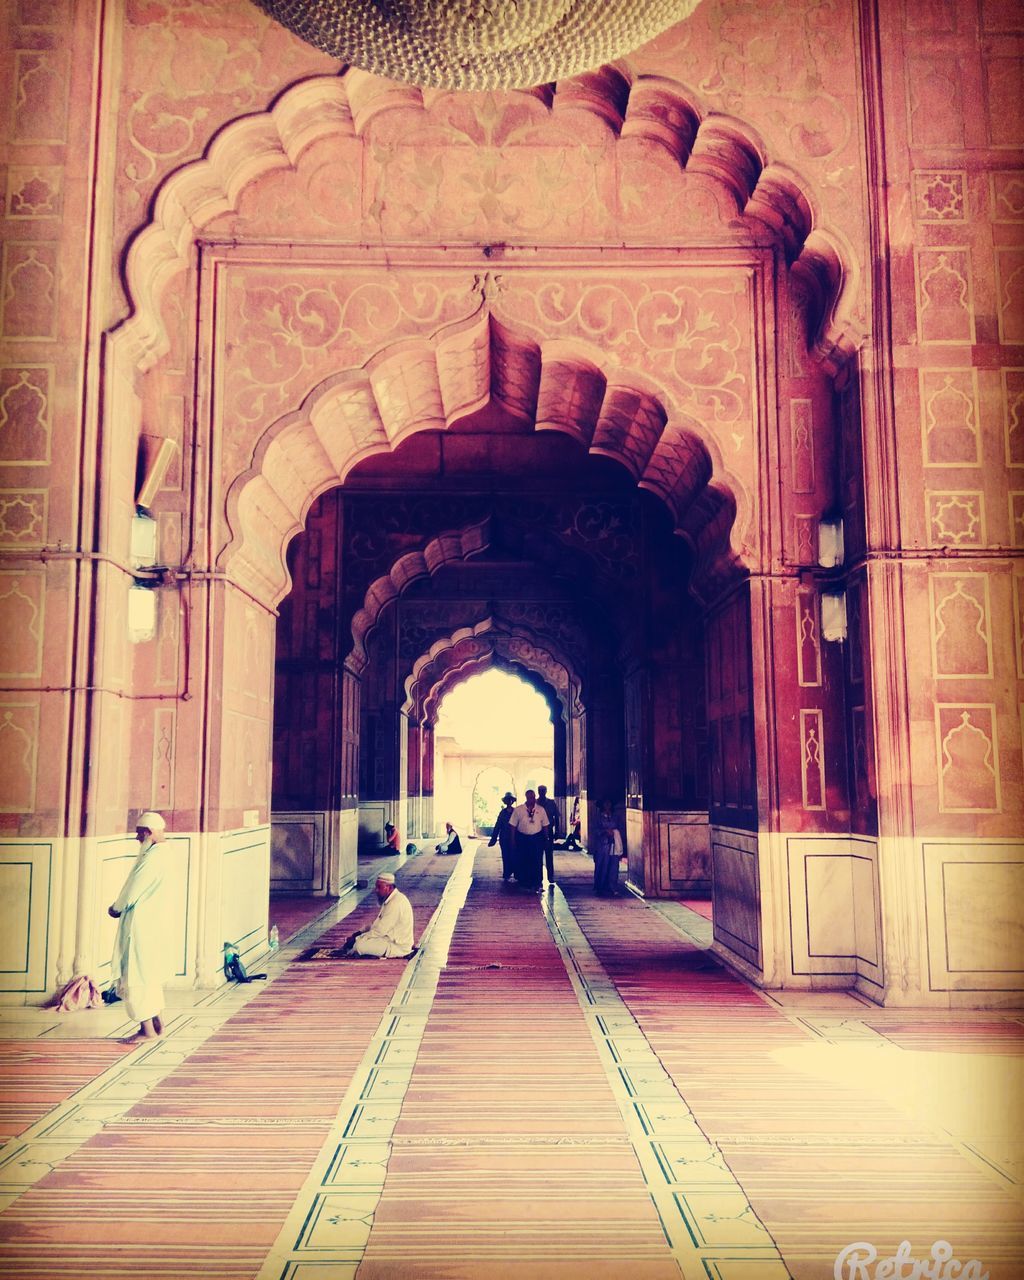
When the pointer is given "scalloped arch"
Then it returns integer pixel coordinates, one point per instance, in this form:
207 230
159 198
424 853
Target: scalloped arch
653 108
444 664
427 384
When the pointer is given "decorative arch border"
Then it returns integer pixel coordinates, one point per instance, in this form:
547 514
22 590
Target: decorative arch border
430 678
422 384
477 665
765 192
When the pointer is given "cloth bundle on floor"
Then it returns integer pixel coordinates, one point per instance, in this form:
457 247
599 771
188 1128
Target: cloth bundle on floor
79 993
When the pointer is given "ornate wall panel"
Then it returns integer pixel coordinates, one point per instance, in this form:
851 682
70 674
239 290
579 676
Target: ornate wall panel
29 290
25 414
935 101
34 191
955 519
961 625
949 409
1010 294
40 95
23 517
945 295
22 609
1006 194
940 195
19 755
1013 415
967 752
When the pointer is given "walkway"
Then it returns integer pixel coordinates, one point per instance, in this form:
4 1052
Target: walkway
553 1088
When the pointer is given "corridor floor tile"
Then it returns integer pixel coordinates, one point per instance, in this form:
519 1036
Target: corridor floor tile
207 1164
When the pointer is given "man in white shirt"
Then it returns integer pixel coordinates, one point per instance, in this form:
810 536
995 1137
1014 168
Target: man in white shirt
390 935
528 825
141 960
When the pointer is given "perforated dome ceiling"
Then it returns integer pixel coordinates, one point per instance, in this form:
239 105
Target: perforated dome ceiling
477 44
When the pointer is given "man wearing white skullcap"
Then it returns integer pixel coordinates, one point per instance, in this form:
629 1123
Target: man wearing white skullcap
140 962
390 935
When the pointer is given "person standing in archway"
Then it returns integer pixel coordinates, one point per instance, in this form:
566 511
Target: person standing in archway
551 809
528 823
503 837
608 849
140 963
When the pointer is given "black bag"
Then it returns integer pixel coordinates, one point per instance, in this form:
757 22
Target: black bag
235 971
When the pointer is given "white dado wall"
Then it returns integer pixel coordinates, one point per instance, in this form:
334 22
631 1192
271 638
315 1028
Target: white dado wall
974 920
736 898
298 844
834 922
244 898
27 870
798 911
54 897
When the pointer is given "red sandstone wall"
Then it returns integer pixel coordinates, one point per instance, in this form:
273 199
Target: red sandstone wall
179 72
954 87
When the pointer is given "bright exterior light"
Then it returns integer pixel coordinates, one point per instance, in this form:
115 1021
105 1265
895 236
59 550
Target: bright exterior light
141 614
496 711
143 541
830 542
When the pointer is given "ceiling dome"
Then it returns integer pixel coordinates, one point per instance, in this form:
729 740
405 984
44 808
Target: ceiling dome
477 44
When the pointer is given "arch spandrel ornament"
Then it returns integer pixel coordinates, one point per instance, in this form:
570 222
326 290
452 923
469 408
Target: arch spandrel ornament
200 200
290 315
422 386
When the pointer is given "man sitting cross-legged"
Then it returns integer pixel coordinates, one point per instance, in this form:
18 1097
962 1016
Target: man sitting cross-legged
390 935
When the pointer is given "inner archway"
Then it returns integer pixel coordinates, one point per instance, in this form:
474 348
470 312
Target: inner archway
493 734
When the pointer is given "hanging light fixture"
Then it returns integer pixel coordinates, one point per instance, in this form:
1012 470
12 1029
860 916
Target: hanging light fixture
477 44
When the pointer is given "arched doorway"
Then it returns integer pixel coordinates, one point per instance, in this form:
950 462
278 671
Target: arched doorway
701 368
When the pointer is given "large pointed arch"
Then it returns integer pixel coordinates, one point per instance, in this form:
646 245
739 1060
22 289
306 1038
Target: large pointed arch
491 641
758 198
427 384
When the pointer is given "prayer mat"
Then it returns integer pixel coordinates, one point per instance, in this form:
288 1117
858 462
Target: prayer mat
326 953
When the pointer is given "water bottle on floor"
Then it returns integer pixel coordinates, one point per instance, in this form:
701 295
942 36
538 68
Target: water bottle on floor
275 938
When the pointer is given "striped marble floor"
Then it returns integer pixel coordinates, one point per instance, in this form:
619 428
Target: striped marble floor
555 1087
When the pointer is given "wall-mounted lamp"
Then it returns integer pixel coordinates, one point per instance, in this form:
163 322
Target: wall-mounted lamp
141 614
830 542
833 615
142 548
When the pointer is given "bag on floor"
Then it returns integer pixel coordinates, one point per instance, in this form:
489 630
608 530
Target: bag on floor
79 993
236 971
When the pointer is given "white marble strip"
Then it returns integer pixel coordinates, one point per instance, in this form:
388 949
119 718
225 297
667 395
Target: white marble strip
106 1099
330 1221
708 1222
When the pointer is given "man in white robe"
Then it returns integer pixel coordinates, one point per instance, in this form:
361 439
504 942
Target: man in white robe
390 935
140 963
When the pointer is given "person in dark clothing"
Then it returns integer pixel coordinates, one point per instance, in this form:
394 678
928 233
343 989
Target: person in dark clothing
550 831
451 842
502 836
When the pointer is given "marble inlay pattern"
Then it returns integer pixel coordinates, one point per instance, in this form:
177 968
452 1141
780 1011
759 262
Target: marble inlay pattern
330 1222
707 1219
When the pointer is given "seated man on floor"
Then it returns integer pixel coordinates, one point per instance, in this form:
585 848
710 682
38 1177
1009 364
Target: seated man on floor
390 935
451 842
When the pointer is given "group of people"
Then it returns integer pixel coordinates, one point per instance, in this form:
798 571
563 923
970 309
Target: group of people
525 833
